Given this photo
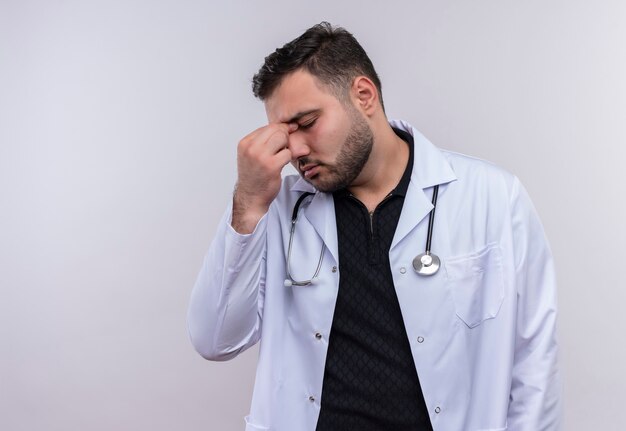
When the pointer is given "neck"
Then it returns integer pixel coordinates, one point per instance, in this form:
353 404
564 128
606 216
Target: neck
384 168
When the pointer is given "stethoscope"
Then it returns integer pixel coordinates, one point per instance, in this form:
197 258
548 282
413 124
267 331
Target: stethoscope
294 218
426 263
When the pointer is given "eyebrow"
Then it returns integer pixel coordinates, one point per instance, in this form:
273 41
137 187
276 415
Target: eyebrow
299 115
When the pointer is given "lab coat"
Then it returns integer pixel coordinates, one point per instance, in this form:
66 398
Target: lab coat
481 330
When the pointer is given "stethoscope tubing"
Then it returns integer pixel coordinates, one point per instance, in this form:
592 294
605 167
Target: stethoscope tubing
290 281
424 264
431 220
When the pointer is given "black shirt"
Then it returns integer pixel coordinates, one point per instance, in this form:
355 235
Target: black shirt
370 381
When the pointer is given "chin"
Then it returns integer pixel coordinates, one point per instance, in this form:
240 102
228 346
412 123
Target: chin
325 186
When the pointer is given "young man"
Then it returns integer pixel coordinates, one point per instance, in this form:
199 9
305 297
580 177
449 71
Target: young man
361 328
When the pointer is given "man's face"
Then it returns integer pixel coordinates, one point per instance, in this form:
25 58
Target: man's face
333 141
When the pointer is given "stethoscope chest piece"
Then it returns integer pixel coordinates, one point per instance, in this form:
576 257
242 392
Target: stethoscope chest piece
426 264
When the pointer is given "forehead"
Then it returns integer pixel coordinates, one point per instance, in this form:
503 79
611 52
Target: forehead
298 92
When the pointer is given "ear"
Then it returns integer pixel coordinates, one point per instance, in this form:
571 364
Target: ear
365 95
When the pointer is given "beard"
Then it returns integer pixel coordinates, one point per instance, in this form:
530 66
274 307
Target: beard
353 155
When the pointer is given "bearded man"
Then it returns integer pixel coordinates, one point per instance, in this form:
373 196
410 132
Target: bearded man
372 312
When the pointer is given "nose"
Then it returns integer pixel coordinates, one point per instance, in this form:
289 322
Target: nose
298 146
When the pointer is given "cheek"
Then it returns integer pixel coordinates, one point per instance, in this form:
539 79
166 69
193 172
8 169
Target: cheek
328 141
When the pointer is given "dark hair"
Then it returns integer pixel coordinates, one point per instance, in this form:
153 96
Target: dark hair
330 54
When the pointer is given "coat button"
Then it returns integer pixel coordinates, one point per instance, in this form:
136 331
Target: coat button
318 335
334 269
437 409
312 398
402 270
420 339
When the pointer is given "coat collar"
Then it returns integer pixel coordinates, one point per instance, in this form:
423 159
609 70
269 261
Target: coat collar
430 168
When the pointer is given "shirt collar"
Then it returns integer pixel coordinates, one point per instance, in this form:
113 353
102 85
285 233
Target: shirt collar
403 185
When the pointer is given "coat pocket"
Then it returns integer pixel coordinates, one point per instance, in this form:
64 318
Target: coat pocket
251 426
476 283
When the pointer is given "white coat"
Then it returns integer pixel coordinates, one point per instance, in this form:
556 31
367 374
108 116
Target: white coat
481 330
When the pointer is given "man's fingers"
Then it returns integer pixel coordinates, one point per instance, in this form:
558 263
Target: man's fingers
277 141
262 134
283 157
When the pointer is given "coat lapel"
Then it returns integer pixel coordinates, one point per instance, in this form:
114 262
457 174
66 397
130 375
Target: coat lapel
320 212
416 206
430 168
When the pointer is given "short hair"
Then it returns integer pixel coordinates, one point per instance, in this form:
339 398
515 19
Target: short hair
331 54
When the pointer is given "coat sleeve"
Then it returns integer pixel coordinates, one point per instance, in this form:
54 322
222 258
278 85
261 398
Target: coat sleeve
224 315
535 401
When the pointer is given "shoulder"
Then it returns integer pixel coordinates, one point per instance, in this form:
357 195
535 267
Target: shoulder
479 174
289 182
466 166
293 186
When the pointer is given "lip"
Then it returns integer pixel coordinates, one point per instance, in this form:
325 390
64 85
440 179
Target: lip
310 170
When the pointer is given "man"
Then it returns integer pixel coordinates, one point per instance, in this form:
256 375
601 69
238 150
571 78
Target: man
355 334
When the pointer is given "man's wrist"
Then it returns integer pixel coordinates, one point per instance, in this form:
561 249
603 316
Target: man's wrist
246 215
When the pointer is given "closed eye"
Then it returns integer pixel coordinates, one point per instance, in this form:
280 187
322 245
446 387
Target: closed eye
307 124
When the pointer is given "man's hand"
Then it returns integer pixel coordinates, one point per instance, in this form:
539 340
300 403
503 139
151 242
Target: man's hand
261 157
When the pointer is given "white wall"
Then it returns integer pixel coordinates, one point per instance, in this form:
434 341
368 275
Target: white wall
118 126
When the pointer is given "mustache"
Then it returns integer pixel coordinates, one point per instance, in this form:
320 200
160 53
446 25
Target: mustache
303 161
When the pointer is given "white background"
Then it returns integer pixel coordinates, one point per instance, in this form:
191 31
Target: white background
118 127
